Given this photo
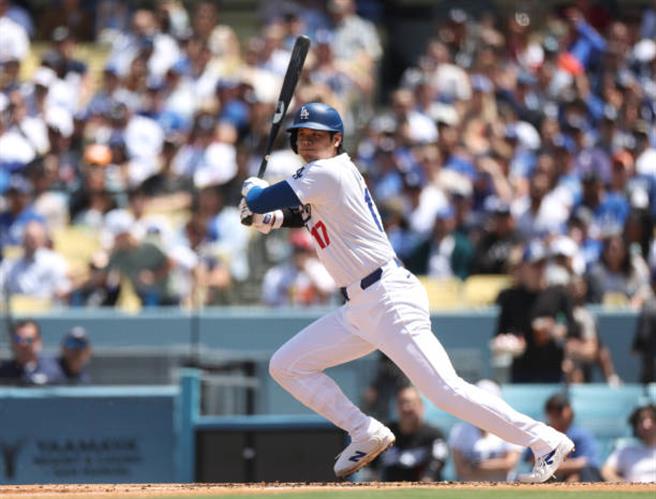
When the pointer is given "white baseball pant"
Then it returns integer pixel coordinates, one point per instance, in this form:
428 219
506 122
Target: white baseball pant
392 316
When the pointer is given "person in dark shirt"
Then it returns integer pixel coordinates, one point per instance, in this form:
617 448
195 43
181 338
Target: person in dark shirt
387 382
74 357
28 367
540 317
420 451
493 251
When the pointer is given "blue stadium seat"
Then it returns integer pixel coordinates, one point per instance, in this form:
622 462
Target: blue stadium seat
651 392
604 410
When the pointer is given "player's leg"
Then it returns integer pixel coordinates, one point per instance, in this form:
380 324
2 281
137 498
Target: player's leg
398 322
299 364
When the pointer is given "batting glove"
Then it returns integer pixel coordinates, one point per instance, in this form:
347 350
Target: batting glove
263 223
251 182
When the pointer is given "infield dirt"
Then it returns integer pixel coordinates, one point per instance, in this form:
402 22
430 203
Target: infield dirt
161 490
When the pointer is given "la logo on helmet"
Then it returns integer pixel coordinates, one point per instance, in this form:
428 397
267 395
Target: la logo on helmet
305 114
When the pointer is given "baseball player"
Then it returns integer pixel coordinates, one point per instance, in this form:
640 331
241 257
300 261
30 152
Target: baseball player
385 308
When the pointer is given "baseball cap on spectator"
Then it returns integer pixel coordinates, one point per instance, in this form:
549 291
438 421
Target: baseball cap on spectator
19 185
534 252
641 128
75 339
323 37
60 34
610 113
481 83
644 50
444 114
413 181
154 83
458 16
119 222
590 177
110 68
550 44
118 111
624 79
445 213
563 245
575 124
582 215
60 120
44 77
383 124
496 206
564 143
525 78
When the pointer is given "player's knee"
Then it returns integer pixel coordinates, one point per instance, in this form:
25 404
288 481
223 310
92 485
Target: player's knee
279 367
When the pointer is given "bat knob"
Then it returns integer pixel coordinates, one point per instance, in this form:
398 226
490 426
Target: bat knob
247 221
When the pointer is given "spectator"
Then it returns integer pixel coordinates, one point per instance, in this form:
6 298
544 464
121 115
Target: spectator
635 461
39 272
582 465
445 253
388 381
480 456
539 213
19 211
609 209
584 353
74 358
619 274
14 42
531 311
28 367
70 14
301 281
143 263
420 451
492 254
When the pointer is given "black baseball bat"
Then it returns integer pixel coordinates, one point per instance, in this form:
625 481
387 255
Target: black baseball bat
296 61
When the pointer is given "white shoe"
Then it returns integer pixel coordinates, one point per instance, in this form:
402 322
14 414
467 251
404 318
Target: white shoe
546 466
360 453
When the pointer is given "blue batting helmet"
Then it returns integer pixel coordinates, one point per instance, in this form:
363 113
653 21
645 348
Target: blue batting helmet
315 116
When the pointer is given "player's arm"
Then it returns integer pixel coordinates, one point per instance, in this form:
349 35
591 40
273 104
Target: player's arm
270 207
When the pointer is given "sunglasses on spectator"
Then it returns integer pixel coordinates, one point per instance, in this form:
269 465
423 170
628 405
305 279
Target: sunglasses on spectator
21 340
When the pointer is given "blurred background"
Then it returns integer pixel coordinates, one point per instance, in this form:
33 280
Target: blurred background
510 148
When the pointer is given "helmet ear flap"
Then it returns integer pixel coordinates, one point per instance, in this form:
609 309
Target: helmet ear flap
293 139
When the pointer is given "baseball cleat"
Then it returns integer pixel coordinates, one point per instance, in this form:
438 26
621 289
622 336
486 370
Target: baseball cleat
546 466
360 453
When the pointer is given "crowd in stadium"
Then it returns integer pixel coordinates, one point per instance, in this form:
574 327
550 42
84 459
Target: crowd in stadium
513 144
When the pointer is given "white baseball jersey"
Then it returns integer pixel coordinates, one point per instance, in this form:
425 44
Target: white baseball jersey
341 216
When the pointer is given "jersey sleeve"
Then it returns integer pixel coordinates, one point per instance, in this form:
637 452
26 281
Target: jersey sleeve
316 183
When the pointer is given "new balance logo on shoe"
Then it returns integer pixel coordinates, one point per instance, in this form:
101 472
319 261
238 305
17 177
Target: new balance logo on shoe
357 456
548 459
360 453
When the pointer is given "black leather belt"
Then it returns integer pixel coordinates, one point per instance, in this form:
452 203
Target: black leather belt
370 279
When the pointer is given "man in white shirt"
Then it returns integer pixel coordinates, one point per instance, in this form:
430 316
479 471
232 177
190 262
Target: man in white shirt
39 272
